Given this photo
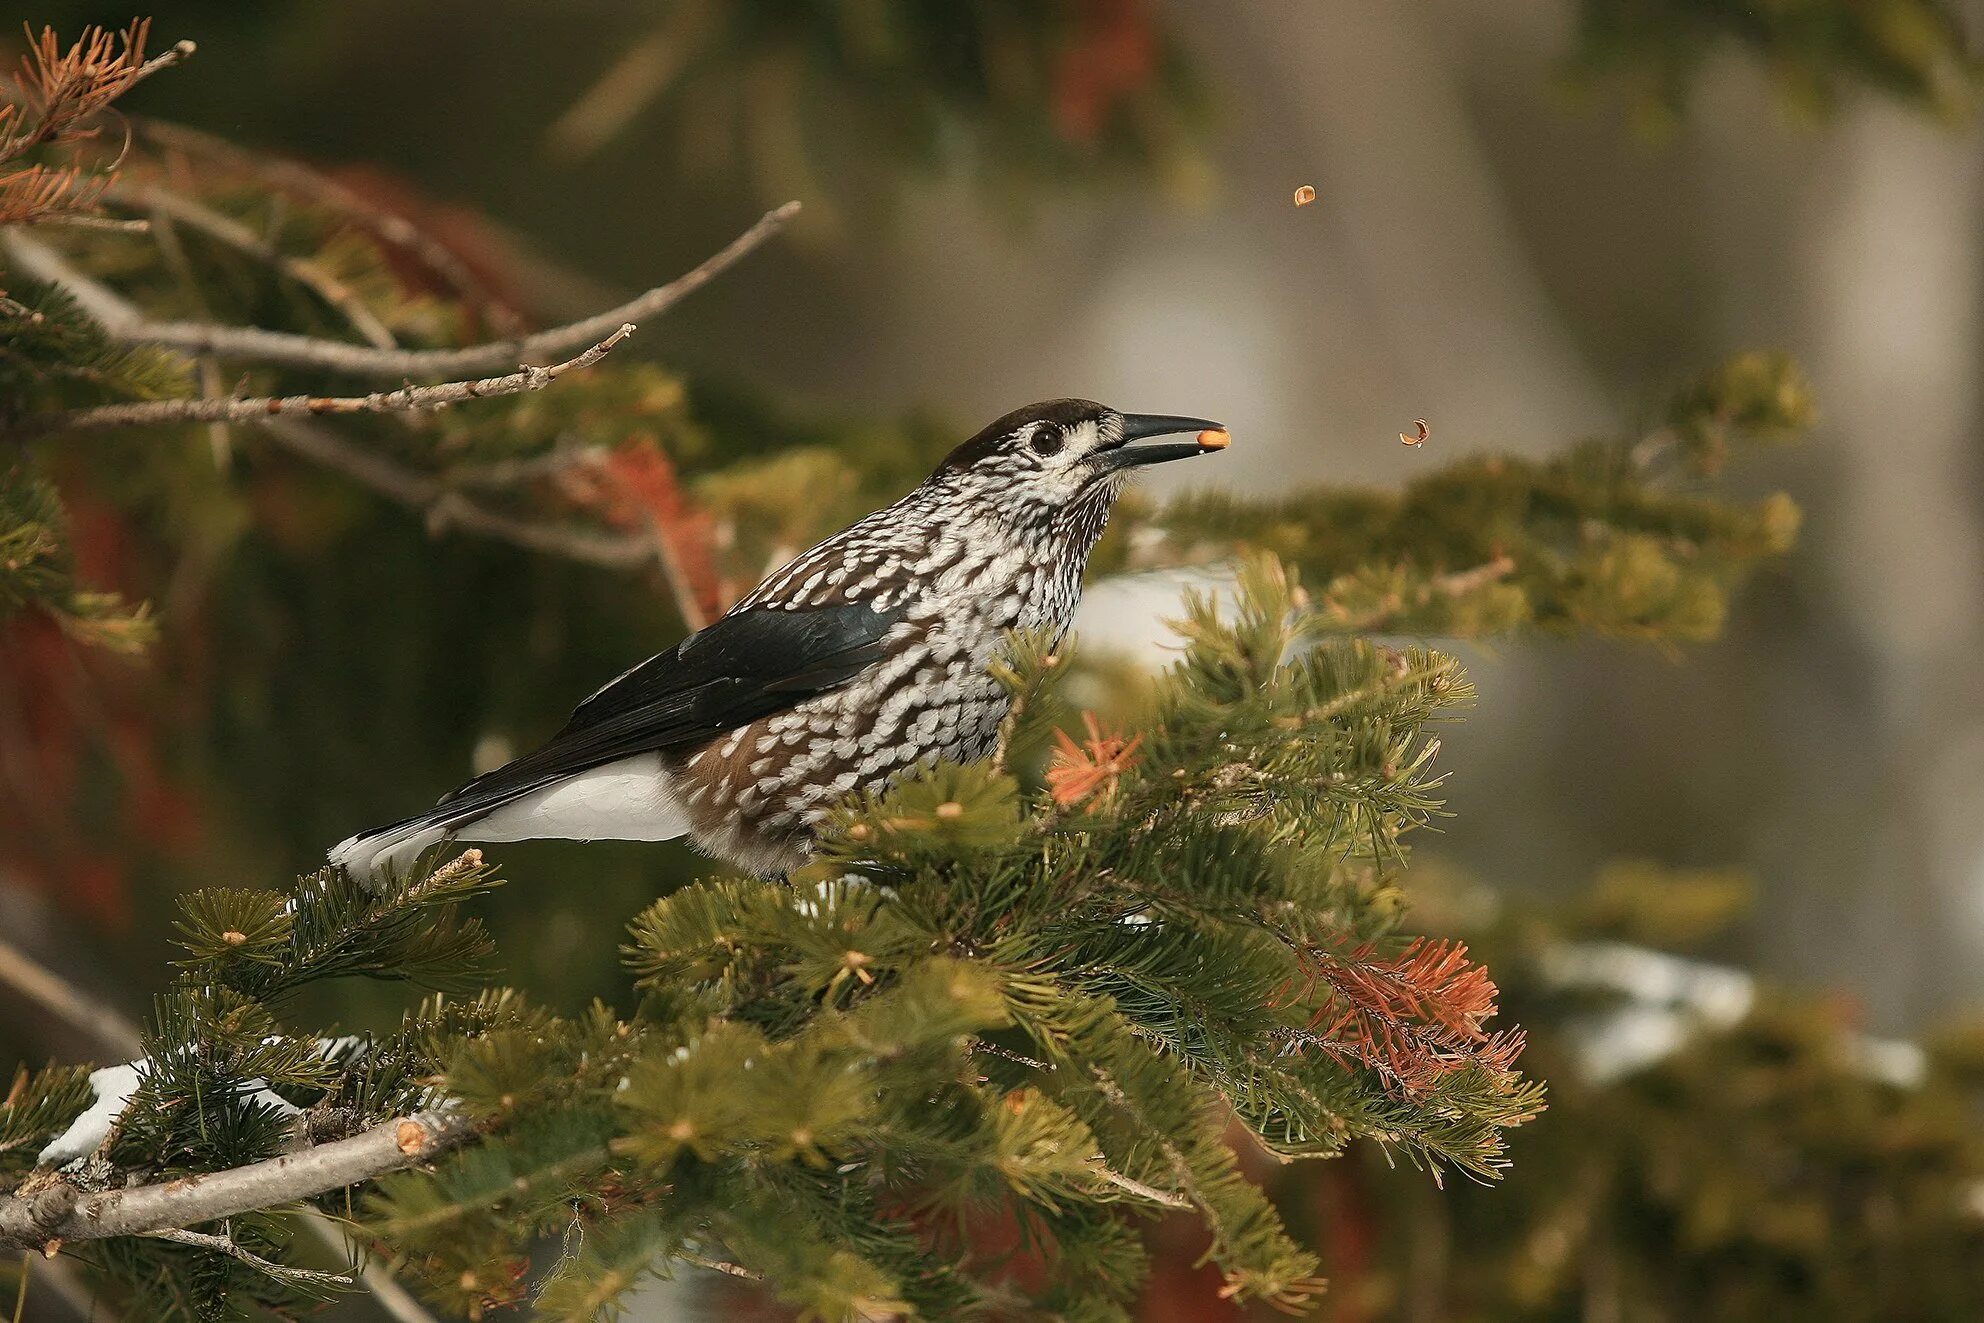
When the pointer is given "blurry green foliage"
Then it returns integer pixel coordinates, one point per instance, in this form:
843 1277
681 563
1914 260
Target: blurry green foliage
1915 51
37 570
1609 538
1669 908
1769 1162
829 102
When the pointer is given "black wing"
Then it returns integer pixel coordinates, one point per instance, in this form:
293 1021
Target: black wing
747 665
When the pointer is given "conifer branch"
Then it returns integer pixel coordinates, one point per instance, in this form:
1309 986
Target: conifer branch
126 323
387 228
153 413
53 103
62 1213
117 1037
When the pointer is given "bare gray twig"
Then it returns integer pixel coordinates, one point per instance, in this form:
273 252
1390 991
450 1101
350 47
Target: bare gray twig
225 229
282 1272
1109 1176
144 413
723 1266
82 220
501 474
446 508
126 323
117 1035
179 52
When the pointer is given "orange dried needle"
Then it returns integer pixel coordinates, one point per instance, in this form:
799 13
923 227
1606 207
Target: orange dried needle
1078 772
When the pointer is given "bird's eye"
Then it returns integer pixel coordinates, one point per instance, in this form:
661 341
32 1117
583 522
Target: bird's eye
1046 440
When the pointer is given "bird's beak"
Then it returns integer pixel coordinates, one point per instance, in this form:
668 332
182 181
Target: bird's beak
1140 426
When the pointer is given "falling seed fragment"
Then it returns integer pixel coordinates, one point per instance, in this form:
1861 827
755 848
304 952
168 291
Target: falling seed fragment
1419 440
1214 439
1304 195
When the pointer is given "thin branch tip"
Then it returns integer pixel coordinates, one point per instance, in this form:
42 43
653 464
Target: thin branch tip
127 324
407 399
180 51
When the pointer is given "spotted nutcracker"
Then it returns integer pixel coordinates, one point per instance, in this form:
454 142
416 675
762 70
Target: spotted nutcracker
858 660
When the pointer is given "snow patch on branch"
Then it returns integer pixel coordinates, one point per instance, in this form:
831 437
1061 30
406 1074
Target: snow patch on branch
115 1086
1665 1000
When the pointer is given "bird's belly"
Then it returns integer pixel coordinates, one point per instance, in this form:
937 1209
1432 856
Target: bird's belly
755 795
627 800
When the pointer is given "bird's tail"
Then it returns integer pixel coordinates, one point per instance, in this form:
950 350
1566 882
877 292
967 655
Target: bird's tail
394 848
370 855
625 800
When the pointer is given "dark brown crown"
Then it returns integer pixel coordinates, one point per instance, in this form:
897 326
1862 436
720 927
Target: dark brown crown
1063 413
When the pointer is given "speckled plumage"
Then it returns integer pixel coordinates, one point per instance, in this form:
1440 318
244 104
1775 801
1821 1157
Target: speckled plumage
996 539
965 571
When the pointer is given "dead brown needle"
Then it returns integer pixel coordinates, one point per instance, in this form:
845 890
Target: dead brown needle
1304 195
1416 441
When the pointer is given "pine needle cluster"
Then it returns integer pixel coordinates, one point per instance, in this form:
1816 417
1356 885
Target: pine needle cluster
52 111
37 570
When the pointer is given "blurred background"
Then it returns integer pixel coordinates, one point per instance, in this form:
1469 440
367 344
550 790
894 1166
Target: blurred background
1531 220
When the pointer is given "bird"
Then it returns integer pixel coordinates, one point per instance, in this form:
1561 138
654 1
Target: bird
863 658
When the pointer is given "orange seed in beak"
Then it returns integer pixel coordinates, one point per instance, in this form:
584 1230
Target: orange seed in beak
1213 439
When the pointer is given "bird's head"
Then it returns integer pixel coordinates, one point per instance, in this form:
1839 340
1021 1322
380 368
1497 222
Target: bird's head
1068 453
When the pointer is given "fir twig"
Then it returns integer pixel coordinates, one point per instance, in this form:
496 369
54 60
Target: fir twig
152 413
280 1271
124 322
59 95
723 1266
1138 1188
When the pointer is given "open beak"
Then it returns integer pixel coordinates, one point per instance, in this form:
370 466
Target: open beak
1141 426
